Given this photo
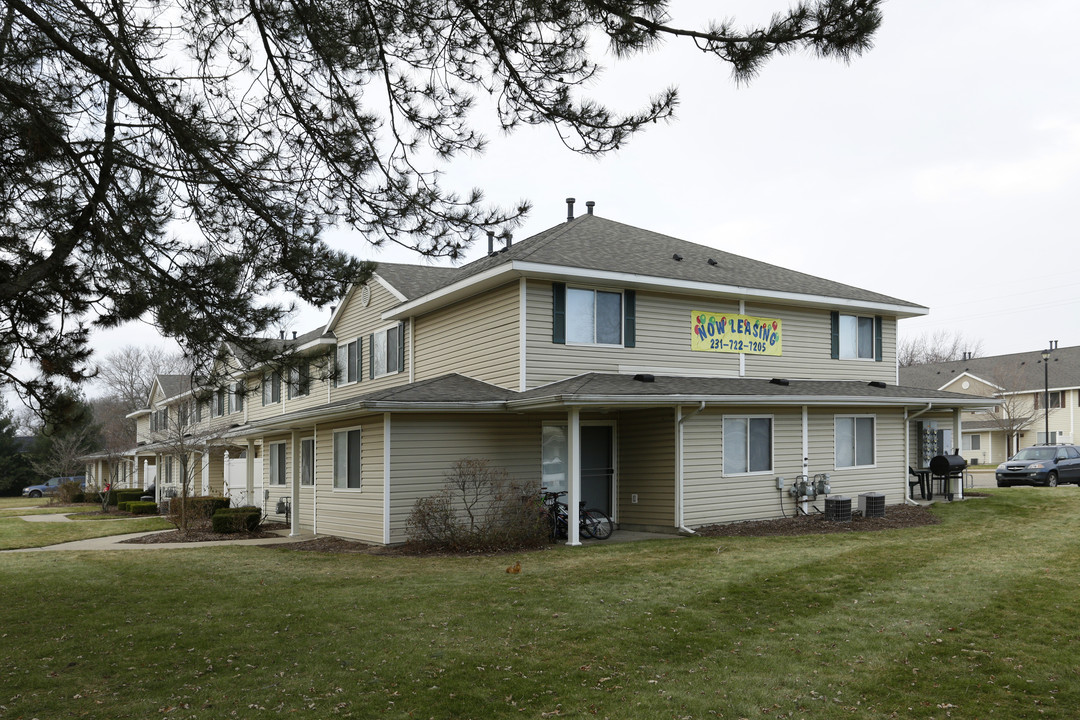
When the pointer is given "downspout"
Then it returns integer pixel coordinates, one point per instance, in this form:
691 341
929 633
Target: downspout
907 447
679 464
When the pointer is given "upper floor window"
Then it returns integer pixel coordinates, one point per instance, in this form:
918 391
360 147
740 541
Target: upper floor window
236 397
747 445
271 388
855 441
347 363
182 414
593 317
387 351
159 420
1056 399
217 407
299 381
856 337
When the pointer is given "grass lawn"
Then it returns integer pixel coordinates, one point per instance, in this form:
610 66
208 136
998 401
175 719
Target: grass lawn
972 618
18 533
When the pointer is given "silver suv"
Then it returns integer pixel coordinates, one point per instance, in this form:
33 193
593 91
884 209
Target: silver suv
52 486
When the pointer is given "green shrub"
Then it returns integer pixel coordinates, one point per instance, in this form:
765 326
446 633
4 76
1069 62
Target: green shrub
122 506
129 495
98 497
195 511
234 520
141 507
79 497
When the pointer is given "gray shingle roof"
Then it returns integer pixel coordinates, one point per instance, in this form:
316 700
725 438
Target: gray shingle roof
595 243
1016 372
604 384
413 281
173 385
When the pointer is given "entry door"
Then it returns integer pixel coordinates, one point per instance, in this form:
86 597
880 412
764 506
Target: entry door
597 466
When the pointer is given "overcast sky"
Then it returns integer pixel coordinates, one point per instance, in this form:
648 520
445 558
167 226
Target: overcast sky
942 168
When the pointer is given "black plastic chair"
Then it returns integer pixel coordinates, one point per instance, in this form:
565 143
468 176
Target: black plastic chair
919 479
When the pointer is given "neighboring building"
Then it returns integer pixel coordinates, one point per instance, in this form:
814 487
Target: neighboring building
668 383
1020 381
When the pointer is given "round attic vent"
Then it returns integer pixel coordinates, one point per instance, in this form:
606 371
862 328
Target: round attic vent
965 384
365 295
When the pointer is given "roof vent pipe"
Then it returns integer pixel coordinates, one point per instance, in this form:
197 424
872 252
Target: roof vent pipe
491 242
590 205
569 209
293 334
282 334
509 239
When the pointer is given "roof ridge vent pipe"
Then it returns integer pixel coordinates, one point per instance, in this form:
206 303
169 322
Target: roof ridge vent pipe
509 240
491 242
570 209
589 205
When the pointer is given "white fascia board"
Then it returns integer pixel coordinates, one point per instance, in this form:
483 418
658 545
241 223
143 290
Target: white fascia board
973 377
668 400
389 288
138 413
492 277
502 273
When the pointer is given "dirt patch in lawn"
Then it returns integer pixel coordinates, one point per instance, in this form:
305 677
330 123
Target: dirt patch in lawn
896 516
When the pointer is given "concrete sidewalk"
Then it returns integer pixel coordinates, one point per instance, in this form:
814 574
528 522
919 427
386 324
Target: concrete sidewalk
116 542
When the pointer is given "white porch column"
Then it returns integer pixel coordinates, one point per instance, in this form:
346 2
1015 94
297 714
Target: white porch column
249 487
294 519
957 425
573 485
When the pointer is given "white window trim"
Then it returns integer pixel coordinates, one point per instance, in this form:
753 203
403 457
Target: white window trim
836 465
284 463
333 457
772 444
622 317
343 374
371 352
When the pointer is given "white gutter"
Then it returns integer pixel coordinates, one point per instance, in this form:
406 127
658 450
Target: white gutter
516 268
679 464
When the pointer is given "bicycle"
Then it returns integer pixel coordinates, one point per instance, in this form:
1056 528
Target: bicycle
592 523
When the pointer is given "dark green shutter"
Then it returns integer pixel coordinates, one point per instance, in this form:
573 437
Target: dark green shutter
558 313
835 319
877 338
371 356
400 346
630 318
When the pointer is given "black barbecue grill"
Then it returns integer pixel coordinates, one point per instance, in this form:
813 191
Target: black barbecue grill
944 469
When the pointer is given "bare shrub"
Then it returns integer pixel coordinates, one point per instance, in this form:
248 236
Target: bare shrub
479 509
70 493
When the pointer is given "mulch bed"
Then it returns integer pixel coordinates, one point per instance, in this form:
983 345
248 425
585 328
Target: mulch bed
896 516
266 530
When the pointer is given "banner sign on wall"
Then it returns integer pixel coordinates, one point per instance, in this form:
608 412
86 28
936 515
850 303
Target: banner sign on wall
725 332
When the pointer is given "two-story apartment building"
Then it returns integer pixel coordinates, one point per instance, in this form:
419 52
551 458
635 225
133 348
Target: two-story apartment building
668 383
1034 394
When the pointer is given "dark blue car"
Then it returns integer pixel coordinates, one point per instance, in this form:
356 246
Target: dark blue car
1046 465
52 486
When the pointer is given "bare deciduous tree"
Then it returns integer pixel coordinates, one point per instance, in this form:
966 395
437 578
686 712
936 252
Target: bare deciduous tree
940 346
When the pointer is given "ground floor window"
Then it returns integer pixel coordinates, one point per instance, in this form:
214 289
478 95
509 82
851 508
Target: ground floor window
748 446
307 461
347 459
553 454
277 463
855 441
973 442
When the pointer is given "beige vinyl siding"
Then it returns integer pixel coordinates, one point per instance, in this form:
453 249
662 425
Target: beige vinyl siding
664 325
974 386
807 348
889 473
646 467
425 447
477 337
711 497
354 514
356 322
